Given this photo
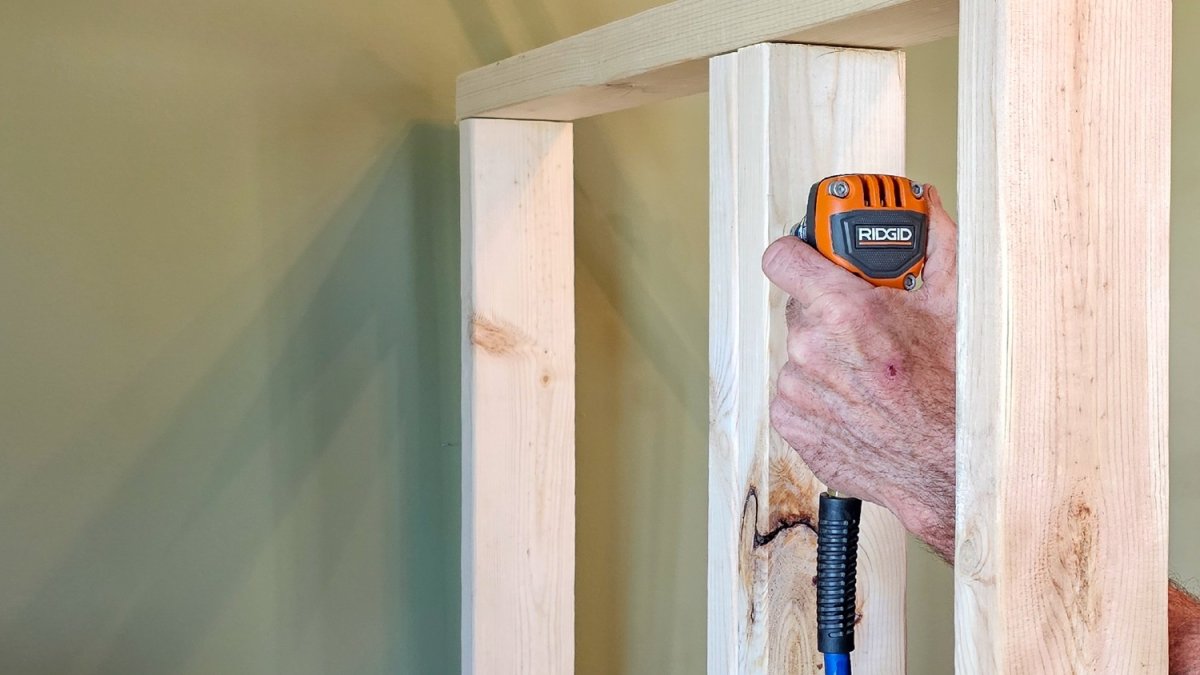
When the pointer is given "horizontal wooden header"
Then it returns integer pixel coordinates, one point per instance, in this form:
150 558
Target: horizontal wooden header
663 53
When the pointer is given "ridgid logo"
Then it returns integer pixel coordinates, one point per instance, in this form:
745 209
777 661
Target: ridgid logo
878 235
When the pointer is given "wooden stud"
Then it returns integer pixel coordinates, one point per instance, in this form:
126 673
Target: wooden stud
518 553
782 117
1064 158
663 52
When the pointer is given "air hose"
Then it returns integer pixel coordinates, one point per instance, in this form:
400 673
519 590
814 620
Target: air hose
837 559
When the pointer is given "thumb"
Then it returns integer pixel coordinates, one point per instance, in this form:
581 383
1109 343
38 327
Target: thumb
941 264
804 273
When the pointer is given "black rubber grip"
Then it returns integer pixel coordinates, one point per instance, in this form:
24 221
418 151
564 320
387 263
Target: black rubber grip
837 558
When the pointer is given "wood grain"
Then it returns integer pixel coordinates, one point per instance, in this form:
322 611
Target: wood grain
781 117
518 491
1061 559
663 52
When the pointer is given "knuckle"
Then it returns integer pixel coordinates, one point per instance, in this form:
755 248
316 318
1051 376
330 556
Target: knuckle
815 348
840 310
802 347
879 294
781 416
790 387
825 305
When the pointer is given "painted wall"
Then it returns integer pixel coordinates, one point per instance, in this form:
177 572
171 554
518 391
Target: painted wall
229 363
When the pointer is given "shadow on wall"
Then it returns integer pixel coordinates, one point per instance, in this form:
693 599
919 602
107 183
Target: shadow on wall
310 480
641 310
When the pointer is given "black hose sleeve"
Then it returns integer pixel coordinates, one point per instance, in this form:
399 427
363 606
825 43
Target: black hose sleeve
837 559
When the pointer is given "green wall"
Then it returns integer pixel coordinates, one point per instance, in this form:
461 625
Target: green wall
229 339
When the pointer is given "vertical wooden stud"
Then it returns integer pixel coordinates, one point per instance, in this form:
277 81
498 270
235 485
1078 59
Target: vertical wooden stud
781 117
518 553
1061 558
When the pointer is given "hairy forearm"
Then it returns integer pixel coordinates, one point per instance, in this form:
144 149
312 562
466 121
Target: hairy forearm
1183 620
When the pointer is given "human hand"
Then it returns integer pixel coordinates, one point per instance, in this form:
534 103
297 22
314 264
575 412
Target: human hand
867 394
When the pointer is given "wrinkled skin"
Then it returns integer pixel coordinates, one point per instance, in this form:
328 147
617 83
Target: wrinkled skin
867 394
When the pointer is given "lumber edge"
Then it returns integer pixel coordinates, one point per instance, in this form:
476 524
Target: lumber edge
663 53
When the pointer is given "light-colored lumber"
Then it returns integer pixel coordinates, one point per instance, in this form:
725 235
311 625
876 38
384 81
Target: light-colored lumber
518 435
781 117
663 52
1061 557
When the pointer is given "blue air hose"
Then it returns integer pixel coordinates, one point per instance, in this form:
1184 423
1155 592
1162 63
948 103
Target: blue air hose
837 664
837 558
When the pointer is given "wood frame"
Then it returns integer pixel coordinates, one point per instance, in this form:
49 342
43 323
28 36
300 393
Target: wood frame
783 116
1062 333
663 53
1061 561
518 445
